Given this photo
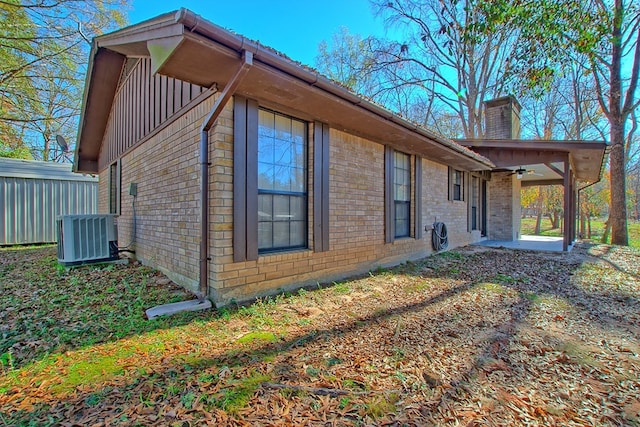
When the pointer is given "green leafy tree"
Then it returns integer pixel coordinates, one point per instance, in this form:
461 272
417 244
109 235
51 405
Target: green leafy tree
552 35
44 49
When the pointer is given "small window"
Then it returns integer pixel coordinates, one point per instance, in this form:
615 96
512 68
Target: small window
282 182
475 202
456 184
402 194
114 188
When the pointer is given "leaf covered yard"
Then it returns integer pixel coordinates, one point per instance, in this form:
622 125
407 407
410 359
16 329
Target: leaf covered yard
475 336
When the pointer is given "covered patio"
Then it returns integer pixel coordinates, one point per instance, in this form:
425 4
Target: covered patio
573 164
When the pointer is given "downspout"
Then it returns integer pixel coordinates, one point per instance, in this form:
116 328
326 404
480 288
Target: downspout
207 124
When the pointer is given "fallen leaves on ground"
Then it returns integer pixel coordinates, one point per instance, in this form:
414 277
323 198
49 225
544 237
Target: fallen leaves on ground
474 336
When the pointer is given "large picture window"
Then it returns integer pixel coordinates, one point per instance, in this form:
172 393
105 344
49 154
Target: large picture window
402 194
282 182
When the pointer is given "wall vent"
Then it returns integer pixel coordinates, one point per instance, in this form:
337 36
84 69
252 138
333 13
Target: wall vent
84 239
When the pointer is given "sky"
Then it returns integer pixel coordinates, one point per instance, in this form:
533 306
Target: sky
293 27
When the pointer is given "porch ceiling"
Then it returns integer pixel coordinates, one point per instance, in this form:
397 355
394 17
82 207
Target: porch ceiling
544 160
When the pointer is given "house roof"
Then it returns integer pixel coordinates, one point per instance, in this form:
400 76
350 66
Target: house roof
185 46
544 159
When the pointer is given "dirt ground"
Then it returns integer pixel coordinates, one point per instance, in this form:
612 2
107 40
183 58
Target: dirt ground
471 337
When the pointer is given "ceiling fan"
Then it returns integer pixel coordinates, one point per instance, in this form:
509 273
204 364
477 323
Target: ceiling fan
520 172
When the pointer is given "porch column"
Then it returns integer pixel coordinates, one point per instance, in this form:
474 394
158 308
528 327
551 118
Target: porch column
575 208
568 193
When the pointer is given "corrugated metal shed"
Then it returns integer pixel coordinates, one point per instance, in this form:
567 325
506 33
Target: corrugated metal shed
33 194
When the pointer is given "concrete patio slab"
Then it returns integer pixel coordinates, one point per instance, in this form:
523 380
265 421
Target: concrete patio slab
530 243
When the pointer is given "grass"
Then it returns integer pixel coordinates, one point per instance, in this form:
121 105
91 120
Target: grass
52 309
380 406
76 342
597 230
238 393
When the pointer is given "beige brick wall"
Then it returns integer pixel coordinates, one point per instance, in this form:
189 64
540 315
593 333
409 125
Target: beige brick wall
504 207
166 169
103 191
437 207
356 212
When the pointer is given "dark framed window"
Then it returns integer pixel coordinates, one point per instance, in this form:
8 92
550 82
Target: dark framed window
282 182
475 202
402 194
270 172
114 188
456 184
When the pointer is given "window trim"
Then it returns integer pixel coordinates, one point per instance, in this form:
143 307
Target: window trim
418 197
245 182
245 179
321 220
388 195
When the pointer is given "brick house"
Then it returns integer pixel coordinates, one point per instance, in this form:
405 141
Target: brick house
240 173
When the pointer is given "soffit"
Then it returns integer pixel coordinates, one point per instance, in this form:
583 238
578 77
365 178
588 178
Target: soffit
202 62
585 157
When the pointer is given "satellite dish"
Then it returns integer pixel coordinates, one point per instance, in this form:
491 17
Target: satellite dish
62 143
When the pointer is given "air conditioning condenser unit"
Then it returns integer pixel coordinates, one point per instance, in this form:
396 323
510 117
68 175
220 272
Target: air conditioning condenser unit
84 239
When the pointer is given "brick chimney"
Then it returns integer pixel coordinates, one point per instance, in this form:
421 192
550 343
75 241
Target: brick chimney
502 118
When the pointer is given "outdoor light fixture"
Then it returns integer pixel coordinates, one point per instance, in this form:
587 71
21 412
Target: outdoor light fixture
519 173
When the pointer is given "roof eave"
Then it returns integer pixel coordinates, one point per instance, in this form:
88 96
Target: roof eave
135 40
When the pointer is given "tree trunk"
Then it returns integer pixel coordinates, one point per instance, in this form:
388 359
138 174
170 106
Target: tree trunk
607 229
46 148
555 219
616 116
583 225
618 213
539 212
589 227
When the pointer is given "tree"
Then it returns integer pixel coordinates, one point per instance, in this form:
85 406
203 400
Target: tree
553 35
354 62
593 199
633 169
44 48
348 60
446 56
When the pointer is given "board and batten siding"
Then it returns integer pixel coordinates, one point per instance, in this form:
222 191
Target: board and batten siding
144 104
33 194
